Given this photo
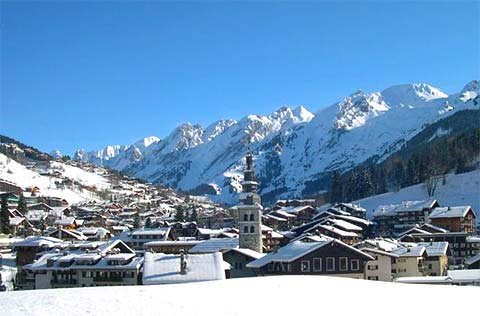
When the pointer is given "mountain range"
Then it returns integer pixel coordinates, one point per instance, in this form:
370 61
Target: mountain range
295 150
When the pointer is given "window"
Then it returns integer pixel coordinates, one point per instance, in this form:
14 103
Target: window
245 229
430 266
252 229
270 266
330 264
305 266
355 264
374 278
343 263
317 264
252 217
245 217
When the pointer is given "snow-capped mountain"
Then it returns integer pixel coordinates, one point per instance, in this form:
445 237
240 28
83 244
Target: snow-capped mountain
294 149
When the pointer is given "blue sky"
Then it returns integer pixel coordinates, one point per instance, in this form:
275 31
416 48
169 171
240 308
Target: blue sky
88 74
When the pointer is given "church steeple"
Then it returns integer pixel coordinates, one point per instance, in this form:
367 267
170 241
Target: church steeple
250 209
249 184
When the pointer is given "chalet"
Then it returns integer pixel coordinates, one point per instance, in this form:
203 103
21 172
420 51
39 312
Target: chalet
238 258
298 215
271 240
10 187
17 225
27 251
323 255
138 238
436 261
351 209
179 229
68 235
168 269
462 246
379 269
455 219
410 261
276 222
95 233
67 223
95 265
347 237
393 219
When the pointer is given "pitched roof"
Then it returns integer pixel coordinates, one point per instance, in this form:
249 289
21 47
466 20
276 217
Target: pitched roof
415 251
450 212
247 252
473 259
215 244
435 249
406 206
298 249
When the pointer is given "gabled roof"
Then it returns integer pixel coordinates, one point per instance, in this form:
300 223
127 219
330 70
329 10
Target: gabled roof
380 252
415 251
435 249
247 252
298 249
451 212
406 206
38 242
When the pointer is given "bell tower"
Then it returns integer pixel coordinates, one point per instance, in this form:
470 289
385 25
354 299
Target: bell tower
250 209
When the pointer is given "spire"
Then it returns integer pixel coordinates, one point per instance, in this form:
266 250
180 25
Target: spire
249 184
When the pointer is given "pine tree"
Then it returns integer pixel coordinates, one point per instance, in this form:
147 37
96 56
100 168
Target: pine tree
4 218
336 188
193 216
180 214
148 223
136 220
22 205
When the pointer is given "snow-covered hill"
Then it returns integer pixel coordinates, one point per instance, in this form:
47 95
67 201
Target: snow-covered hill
245 296
294 149
20 175
455 190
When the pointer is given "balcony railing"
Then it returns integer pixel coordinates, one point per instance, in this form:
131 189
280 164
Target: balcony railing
66 281
107 279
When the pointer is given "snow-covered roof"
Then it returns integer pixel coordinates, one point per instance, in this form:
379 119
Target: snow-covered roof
297 249
472 260
345 225
450 212
435 248
415 251
165 269
284 214
338 231
380 252
42 241
215 245
14 221
67 221
157 231
247 252
406 206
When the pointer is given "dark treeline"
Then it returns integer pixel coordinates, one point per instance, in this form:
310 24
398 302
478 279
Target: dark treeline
450 145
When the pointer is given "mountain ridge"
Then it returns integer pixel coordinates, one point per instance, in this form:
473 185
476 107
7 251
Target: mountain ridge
292 146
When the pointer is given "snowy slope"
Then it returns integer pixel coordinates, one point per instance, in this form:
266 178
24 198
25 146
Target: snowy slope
458 190
246 296
17 173
294 148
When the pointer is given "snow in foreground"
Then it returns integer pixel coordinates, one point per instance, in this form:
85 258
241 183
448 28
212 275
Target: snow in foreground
281 295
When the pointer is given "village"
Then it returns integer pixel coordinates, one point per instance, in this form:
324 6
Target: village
137 233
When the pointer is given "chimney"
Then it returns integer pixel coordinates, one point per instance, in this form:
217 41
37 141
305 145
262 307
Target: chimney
183 263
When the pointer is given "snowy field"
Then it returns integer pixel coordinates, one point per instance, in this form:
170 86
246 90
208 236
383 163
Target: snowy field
281 295
459 190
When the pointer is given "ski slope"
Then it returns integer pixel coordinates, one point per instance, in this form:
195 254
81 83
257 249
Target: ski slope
458 190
